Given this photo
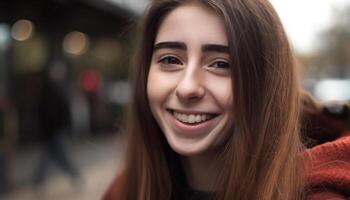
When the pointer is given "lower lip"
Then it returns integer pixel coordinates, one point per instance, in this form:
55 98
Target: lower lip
192 130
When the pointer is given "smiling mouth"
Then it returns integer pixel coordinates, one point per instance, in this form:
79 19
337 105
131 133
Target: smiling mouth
192 118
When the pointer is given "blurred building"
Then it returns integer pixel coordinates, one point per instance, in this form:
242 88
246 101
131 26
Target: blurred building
82 46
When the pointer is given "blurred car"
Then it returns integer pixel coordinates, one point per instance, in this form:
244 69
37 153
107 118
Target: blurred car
332 90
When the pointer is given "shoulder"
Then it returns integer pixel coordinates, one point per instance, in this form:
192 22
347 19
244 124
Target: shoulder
326 133
328 175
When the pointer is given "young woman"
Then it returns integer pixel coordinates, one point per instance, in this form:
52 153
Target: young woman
215 105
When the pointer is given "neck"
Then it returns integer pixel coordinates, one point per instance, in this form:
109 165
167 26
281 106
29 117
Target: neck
201 171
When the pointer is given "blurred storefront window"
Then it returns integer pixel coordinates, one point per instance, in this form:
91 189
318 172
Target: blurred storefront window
61 55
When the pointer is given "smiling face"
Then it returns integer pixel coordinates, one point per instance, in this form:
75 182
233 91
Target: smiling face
189 84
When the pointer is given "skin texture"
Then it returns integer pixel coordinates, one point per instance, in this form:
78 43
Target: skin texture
191 80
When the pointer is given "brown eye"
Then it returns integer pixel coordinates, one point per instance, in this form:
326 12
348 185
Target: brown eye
220 65
170 60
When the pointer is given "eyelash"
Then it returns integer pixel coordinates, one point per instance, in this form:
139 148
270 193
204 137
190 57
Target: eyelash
170 60
225 67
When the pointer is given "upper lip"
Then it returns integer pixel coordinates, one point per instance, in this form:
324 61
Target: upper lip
191 111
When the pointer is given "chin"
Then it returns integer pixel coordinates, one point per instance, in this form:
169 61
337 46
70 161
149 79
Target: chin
188 150
190 146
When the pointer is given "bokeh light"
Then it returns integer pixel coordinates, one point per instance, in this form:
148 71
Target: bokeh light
90 80
76 43
22 30
107 49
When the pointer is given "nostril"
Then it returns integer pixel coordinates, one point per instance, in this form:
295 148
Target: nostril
190 94
190 86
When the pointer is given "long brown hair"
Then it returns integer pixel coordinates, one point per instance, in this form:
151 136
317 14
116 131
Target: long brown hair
261 157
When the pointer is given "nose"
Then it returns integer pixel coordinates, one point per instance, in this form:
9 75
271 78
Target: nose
190 87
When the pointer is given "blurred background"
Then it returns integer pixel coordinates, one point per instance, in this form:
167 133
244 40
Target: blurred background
63 85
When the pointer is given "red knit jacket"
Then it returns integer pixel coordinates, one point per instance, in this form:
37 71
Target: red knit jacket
328 178
329 175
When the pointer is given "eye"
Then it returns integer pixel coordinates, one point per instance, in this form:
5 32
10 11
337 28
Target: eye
221 65
170 60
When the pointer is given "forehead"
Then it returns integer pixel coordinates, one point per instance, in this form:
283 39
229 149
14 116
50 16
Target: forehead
192 22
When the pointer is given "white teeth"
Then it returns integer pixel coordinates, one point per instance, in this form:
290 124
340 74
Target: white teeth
183 117
198 118
192 118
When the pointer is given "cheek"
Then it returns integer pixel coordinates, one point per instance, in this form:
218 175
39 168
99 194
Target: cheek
153 93
152 88
225 98
222 92
159 87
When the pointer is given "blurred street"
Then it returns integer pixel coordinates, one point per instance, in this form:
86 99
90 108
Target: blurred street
97 160
64 72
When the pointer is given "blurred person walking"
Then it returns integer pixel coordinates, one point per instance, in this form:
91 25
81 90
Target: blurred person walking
54 118
8 137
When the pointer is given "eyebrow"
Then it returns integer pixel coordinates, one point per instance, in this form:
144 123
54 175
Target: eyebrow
215 47
182 46
170 45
